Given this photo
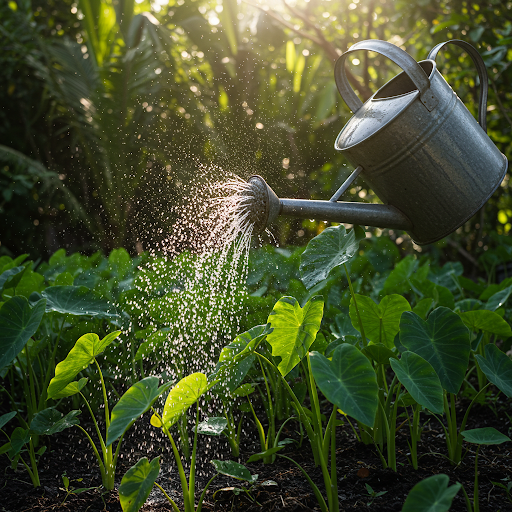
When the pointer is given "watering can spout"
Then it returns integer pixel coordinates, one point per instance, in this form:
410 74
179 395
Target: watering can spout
265 207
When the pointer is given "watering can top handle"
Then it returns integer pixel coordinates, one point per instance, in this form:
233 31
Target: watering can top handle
395 54
482 74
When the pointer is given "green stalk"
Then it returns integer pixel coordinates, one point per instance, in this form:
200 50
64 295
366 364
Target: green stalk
33 478
335 505
203 494
271 416
169 499
316 491
365 343
105 399
192 479
458 452
259 427
181 471
96 453
315 409
35 474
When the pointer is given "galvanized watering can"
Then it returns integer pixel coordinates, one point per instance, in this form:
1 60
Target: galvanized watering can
415 144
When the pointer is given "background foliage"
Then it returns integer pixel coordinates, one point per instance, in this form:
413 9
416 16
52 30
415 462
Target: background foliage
110 109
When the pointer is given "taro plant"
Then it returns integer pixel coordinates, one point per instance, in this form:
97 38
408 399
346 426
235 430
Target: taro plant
480 436
348 381
47 422
431 495
135 402
139 480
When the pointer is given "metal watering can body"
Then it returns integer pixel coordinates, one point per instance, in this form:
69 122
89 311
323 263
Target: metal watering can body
416 145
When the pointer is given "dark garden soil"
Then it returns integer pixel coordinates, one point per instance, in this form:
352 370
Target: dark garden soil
358 465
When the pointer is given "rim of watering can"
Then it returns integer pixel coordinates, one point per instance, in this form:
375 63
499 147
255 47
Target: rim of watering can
414 94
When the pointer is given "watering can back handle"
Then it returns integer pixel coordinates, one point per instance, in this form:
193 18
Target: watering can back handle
482 74
395 54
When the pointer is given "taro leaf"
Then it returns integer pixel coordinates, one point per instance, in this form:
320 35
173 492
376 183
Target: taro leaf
80 357
497 367
137 483
19 437
488 321
71 389
443 341
381 322
431 495
18 322
212 426
420 380
5 418
378 352
182 396
153 344
398 279
348 381
485 435
50 421
294 330
261 455
77 300
495 301
232 372
133 404
11 277
423 307
330 249
244 390
234 470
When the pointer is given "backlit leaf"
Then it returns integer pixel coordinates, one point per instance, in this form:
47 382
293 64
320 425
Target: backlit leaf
79 357
294 330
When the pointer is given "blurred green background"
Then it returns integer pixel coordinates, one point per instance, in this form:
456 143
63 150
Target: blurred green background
111 109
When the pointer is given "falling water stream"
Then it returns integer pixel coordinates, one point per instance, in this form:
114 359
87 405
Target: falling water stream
194 299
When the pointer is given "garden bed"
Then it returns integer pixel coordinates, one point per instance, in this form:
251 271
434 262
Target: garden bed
358 465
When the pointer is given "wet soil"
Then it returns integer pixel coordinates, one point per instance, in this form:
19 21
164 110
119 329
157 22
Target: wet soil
357 465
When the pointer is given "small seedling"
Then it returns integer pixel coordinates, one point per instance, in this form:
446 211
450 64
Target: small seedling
373 494
71 490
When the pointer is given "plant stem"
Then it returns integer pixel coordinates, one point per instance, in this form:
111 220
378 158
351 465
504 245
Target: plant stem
365 343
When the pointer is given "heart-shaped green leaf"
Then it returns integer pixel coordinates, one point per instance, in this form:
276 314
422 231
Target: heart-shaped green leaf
11 277
348 381
50 421
330 249
137 483
133 404
485 435
498 299
80 357
18 322
182 396
381 322
378 352
234 470
19 437
294 330
77 300
261 455
431 495
212 426
5 418
398 279
443 341
71 389
420 379
488 321
497 367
